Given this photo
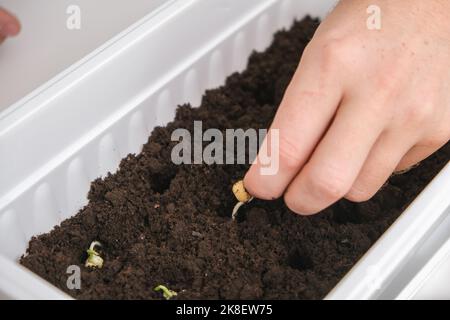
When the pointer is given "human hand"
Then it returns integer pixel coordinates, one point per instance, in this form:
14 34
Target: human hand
362 104
9 25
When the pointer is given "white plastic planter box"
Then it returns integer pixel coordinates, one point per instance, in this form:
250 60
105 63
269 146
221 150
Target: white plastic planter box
79 127
427 284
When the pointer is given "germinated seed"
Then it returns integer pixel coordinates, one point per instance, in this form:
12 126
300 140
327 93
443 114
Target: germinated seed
94 260
241 195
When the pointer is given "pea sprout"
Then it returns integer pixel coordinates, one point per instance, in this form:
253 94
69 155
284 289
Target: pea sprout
241 195
167 293
94 260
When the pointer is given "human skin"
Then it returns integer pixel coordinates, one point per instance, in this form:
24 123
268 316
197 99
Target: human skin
9 25
362 104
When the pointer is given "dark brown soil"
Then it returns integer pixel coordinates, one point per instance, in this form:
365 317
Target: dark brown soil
166 224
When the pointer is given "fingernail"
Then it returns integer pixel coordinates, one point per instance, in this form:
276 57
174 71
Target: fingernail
9 29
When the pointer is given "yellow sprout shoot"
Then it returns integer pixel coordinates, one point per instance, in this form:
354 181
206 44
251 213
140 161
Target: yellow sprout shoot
242 197
167 293
94 260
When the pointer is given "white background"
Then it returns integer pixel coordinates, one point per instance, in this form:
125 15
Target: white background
46 47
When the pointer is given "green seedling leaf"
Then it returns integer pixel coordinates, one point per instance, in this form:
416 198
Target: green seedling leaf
167 293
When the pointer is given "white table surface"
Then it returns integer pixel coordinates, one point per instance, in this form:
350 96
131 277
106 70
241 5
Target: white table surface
46 46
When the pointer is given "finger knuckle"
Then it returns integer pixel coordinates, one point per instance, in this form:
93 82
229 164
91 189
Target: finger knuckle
336 50
289 153
417 114
357 194
328 184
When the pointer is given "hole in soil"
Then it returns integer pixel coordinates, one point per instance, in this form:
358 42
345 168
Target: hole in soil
243 213
161 182
299 259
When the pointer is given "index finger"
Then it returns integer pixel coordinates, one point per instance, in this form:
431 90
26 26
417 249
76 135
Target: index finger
304 115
